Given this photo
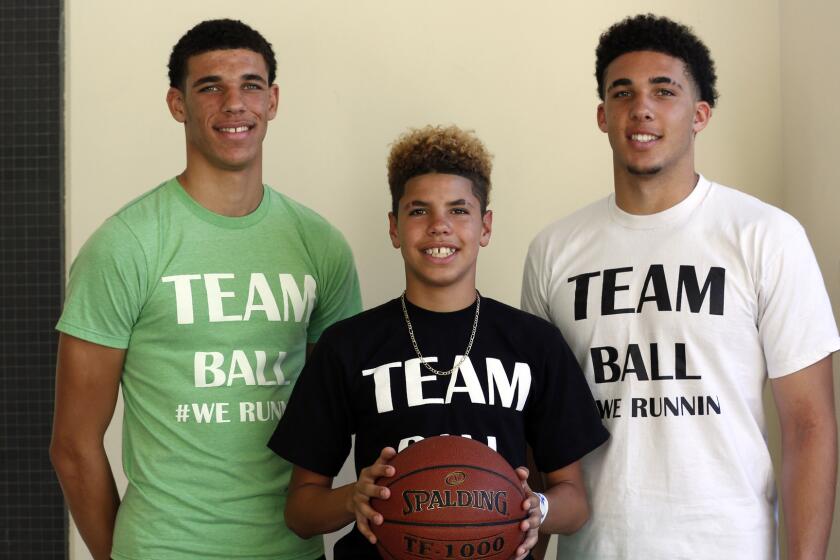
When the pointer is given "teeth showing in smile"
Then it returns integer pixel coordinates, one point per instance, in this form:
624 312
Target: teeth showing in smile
440 252
236 129
643 137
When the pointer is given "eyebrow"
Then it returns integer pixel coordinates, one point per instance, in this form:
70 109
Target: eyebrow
655 80
620 82
423 203
213 79
253 78
665 80
207 80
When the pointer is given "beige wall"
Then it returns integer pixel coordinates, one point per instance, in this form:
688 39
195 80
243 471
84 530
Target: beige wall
353 75
811 145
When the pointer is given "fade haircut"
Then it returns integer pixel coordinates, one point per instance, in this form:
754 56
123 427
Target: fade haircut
439 149
217 34
647 32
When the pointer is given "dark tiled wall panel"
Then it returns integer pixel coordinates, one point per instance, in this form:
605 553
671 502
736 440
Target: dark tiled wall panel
32 517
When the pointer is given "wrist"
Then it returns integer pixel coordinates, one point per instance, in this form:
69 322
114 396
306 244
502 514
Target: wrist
543 506
349 499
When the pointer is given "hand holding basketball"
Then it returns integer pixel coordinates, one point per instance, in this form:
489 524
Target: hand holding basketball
365 489
452 498
532 523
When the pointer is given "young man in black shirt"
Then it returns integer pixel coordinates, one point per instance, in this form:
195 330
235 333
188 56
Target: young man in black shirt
440 359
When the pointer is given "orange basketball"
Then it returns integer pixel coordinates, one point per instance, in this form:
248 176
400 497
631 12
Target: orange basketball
451 498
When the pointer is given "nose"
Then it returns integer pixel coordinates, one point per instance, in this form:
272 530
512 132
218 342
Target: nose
233 101
439 224
641 109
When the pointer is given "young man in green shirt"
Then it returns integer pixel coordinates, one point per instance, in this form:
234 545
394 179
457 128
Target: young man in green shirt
200 299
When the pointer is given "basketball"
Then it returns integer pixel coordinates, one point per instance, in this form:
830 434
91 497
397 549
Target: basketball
451 498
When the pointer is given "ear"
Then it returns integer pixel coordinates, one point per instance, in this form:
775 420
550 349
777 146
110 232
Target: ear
486 228
175 102
702 114
274 99
392 230
601 116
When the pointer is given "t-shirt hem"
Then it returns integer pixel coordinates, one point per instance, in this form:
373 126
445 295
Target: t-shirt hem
92 336
801 362
227 556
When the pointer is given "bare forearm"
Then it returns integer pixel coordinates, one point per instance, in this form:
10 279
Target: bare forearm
314 510
809 474
86 387
568 509
91 494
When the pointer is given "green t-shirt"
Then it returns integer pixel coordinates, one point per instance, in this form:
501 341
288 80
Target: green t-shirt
214 313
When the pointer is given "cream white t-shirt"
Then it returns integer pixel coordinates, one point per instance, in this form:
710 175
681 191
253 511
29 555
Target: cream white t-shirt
678 319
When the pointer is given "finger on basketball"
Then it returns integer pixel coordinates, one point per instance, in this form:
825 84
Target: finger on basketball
531 505
386 454
377 470
370 490
380 468
522 555
364 528
369 514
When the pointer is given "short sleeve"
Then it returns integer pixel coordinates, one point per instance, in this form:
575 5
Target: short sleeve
534 299
339 296
315 430
563 424
795 320
106 289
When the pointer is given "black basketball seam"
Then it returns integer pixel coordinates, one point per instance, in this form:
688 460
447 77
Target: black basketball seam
454 525
442 539
515 484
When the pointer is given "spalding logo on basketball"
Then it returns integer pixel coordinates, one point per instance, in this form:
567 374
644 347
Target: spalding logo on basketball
451 498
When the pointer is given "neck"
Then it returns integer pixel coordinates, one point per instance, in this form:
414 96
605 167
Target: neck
441 300
650 194
231 193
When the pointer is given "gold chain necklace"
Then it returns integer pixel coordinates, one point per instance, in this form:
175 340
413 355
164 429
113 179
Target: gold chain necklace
417 349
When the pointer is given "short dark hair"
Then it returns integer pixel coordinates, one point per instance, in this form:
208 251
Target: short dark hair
647 32
217 34
439 149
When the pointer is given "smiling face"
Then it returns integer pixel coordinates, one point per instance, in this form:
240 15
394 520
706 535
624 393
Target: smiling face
225 107
651 114
439 229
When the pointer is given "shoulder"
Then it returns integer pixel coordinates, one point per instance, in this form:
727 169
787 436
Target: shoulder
139 222
528 327
148 207
359 326
560 231
317 234
132 226
535 340
748 211
305 216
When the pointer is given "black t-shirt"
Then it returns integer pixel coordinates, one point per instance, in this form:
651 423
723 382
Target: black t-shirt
520 385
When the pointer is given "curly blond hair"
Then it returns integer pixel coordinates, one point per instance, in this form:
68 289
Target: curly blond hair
439 149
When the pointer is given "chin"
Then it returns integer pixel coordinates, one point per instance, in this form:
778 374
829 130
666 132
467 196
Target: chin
644 171
234 164
438 281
